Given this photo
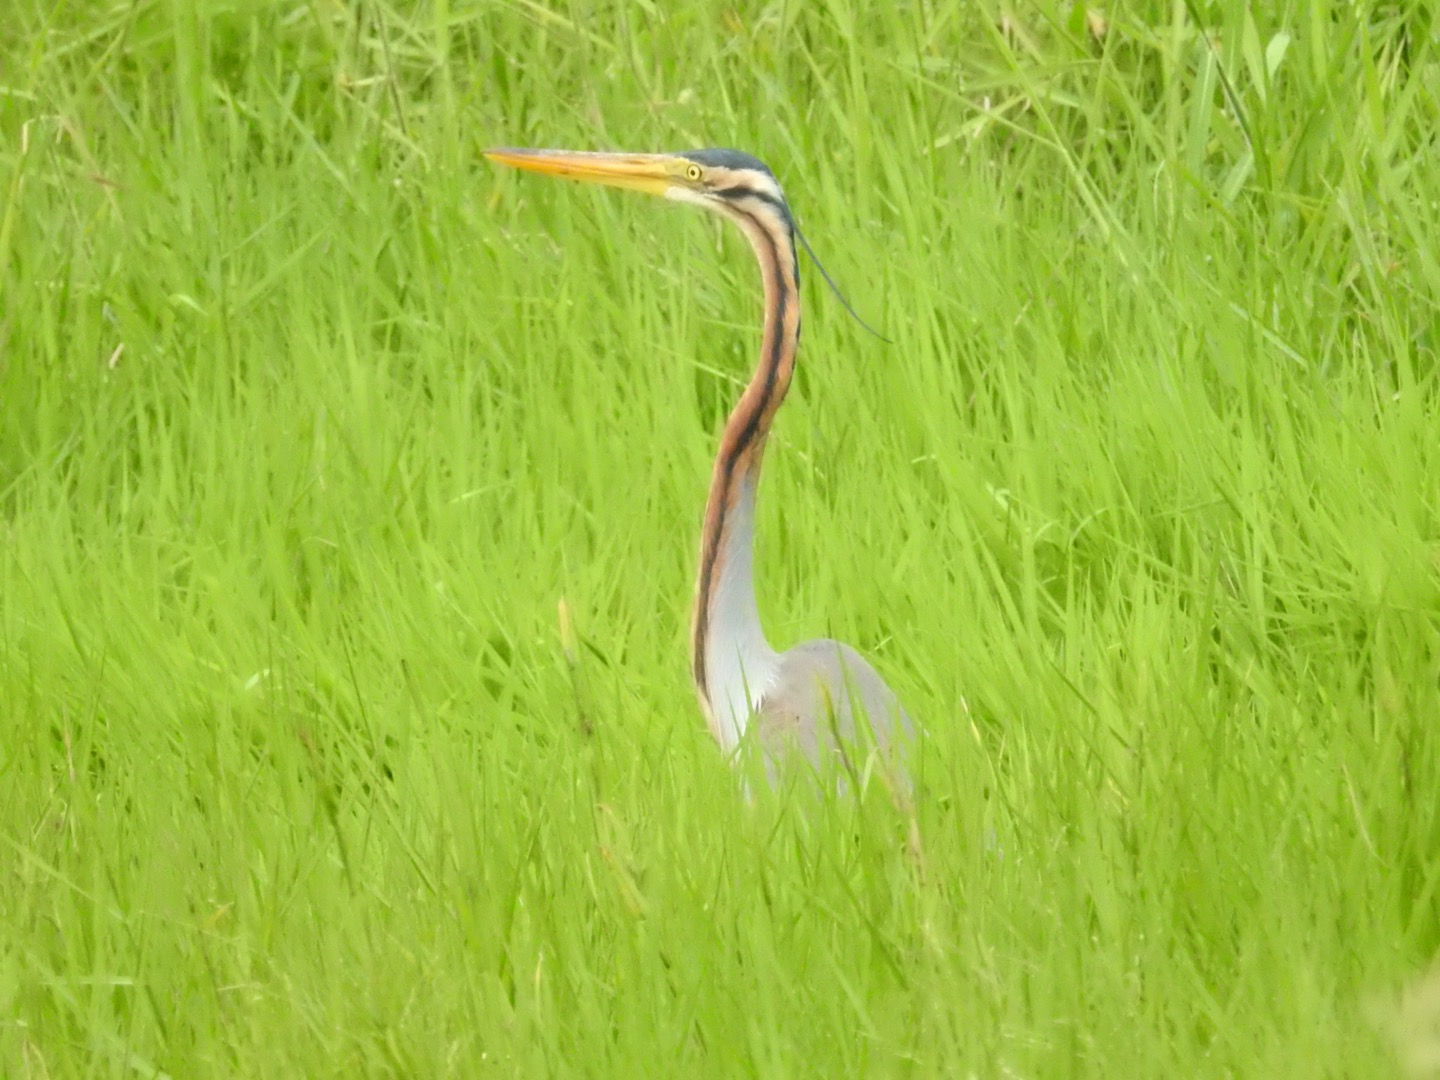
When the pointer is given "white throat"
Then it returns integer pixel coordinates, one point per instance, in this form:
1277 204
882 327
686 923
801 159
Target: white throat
739 662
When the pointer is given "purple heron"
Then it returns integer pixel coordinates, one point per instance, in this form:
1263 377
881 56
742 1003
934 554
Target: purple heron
819 697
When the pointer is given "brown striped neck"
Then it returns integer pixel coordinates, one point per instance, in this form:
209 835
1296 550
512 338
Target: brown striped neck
731 660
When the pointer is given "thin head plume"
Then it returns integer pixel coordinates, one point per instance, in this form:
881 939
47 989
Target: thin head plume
836 288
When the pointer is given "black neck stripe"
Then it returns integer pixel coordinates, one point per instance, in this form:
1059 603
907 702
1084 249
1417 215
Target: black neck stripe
770 260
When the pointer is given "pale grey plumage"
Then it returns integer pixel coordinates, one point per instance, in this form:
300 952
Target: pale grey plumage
825 697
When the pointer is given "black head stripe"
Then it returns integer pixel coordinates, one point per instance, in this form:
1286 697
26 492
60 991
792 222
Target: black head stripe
726 159
743 191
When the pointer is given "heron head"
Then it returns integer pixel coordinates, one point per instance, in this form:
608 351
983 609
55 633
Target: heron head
714 179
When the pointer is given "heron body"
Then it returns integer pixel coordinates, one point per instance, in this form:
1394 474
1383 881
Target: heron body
821 698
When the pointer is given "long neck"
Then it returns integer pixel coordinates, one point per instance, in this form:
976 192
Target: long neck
731 660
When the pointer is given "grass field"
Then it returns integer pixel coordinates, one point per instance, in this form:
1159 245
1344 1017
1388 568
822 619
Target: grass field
311 422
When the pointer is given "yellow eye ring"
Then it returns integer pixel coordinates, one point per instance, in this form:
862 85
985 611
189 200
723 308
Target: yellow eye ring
693 173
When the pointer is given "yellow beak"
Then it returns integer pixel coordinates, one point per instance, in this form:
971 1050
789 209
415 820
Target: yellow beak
650 173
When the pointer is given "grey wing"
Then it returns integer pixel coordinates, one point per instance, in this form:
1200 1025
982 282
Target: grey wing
818 691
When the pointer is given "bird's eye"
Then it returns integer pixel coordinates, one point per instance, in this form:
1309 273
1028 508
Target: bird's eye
693 173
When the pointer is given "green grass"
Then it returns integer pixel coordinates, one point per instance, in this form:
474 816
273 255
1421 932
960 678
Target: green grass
310 420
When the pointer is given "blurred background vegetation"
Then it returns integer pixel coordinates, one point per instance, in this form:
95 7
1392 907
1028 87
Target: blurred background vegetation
309 421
